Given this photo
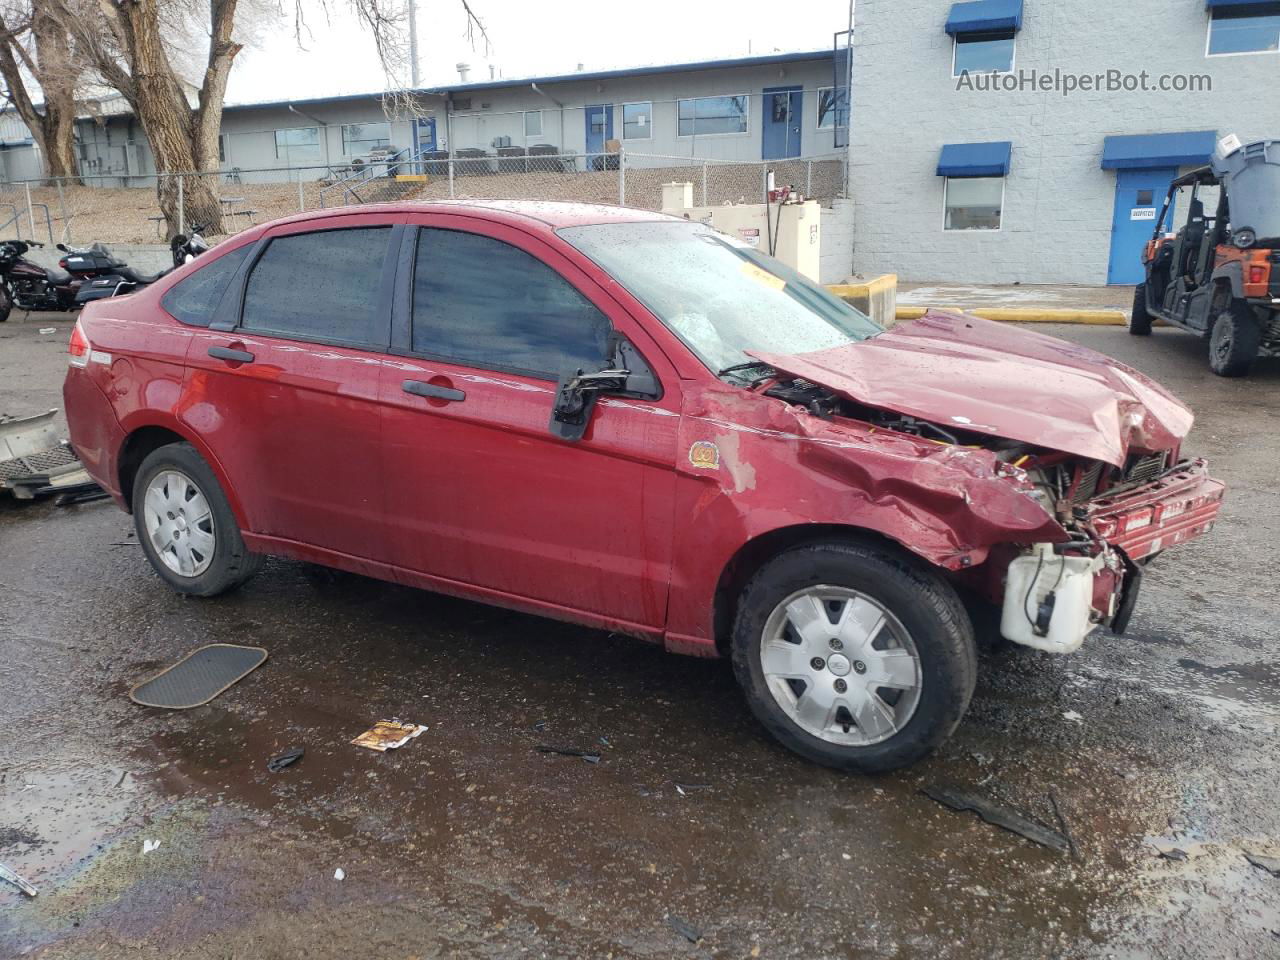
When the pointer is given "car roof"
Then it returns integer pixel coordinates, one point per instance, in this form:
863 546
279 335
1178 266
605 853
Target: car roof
549 213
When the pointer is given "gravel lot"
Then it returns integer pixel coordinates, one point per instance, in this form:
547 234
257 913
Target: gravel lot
470 843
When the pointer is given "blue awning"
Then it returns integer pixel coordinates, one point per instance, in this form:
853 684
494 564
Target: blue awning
1219 4
975 159
981 16
1146 150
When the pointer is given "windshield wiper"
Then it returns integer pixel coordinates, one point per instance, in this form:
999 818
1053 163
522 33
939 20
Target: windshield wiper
750 365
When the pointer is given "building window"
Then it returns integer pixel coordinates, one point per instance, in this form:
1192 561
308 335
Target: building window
533 123
709 116
298 143
1244 29
973 203
832 104
362 138
222 148
637 121
983 53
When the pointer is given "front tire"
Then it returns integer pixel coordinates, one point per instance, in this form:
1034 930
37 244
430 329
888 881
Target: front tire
1140 317
186 526
1234 341
854 656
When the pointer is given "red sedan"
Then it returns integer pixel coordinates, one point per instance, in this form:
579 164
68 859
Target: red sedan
633 422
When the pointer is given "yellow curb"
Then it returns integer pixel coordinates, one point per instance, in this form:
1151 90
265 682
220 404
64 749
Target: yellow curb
1114 318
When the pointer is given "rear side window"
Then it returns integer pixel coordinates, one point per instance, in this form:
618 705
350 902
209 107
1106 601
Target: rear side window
319 286
484 303
195 298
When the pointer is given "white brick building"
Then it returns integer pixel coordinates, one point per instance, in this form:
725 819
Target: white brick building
1062 213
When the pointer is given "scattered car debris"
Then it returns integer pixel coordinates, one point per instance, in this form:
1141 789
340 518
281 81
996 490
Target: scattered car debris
389 735
1072 717
286 759
1176 854
540 725
33 462
1269 864
1062 823
586 755
339 874
999 816
686 788
149 845
684 928
48 330
199 676
78 493
17 881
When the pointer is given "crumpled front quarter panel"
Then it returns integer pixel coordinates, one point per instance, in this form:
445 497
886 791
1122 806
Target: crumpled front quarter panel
749 465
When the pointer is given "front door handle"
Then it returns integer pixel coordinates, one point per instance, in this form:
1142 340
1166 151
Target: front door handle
230 353
431 390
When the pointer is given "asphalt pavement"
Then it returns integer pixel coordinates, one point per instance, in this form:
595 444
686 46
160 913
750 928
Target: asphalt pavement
695 835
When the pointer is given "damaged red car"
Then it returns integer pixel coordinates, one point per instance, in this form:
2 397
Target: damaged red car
633 422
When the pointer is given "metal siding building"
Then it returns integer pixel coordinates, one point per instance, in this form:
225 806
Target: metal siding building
1057 207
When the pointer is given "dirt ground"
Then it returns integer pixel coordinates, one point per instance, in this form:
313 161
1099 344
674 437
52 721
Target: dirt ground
470 843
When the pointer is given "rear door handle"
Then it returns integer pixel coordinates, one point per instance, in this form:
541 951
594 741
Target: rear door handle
420 389
230 353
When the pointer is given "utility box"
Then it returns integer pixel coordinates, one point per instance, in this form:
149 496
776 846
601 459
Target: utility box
791 232
677 196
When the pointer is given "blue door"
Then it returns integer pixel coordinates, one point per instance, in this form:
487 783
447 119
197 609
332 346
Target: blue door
1139 196
783 114
424 134
599 130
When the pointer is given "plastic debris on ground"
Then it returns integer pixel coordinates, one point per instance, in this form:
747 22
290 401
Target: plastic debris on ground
389 735
48 330
1269 864
684 789
149 845
286 759
17 881
586 755
339 874
1072 717
1001 816
684 928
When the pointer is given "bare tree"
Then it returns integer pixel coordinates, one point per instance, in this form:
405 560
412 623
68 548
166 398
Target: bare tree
35 44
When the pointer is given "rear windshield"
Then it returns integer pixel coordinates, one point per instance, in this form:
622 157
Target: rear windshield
719 295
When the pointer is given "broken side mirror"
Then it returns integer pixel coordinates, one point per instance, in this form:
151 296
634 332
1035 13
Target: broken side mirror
576 397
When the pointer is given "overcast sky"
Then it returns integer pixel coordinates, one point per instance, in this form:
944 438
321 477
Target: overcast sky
529 38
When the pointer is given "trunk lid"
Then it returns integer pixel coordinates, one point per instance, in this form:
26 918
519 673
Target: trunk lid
971 374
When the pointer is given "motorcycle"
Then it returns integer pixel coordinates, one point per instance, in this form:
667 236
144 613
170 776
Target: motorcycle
182 248
26 284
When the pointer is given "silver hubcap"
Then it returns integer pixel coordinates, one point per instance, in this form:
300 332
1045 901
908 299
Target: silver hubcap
840 666
179 523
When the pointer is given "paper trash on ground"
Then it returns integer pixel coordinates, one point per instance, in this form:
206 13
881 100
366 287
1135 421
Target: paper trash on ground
388 735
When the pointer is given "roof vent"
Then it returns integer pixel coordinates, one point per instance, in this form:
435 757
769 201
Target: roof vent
463 70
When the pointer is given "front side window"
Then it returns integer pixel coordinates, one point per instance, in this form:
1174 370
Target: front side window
832 104
484 303
362 138
708 116
637 121
720 296
319 286
533 123
1253 28
974 203
984 53
298 143
194 299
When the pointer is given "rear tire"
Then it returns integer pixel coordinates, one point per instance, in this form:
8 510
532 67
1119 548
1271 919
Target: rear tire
1140 318
867 614
1234 340
186 526
6 302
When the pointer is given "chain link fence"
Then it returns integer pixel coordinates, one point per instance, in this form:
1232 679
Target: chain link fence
98 208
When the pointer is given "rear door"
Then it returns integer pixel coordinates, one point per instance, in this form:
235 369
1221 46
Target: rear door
480 490
283 387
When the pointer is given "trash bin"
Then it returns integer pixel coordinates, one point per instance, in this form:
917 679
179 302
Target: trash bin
1252 177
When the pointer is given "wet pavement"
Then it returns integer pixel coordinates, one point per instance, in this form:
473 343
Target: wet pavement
468 842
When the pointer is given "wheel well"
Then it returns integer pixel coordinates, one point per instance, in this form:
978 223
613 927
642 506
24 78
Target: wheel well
754 554
139 444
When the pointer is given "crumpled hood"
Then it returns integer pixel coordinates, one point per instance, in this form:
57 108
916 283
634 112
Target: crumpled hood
972 374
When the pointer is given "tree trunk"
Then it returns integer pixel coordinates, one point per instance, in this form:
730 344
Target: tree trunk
58 77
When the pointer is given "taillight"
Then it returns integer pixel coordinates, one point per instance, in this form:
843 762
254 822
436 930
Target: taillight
1258 273
79 347
63 263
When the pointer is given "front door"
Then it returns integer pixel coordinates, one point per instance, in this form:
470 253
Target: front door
1139 197
482 492
284 388
599 132
783 114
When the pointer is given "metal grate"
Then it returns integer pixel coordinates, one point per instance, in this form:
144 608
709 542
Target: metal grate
1145 469
37 463
1089 481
